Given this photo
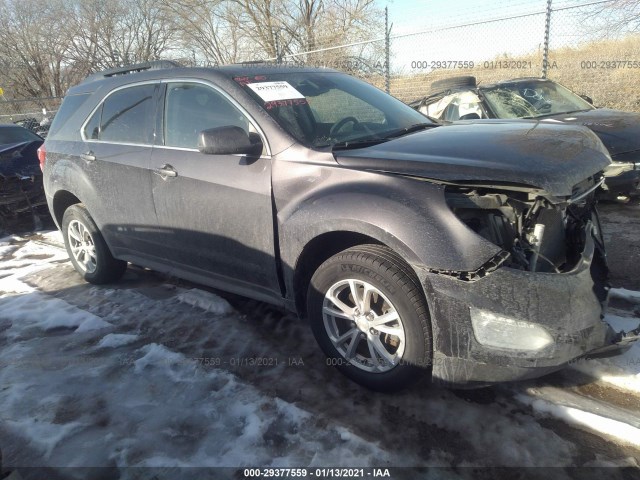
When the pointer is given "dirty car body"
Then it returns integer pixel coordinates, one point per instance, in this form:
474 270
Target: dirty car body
495 225
548 101
21 190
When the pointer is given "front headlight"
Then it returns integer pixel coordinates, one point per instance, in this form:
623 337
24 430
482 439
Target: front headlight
498 331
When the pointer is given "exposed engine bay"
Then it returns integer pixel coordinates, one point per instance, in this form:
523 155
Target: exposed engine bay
537 233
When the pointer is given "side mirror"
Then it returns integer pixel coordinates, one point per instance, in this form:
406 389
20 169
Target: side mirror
229 140
587 98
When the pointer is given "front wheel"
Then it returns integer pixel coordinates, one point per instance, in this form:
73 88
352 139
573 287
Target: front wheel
369 316
87 249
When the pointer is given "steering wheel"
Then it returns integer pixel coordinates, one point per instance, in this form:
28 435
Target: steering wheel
542 105
335 128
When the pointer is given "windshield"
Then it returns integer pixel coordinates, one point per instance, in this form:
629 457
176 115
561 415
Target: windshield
531 99
327 109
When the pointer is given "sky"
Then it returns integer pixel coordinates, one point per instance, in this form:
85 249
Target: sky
483 41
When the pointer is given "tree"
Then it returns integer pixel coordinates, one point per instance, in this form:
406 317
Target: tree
111 33
34 46
204 30
615 18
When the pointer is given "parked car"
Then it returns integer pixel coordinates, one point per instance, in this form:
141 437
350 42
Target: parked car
21 190
460 98
472 253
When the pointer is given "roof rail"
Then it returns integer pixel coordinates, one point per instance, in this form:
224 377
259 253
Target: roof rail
138 67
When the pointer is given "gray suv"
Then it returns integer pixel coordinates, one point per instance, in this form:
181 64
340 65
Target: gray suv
471 254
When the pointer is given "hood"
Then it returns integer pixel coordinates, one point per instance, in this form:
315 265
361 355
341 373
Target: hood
20 158
619 131
553 158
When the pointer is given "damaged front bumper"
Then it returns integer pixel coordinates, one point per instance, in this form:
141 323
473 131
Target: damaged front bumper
552 319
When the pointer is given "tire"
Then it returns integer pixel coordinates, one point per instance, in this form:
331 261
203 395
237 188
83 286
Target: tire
452 82
95 264
395 288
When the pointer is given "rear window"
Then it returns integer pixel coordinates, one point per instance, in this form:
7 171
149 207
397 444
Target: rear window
70 105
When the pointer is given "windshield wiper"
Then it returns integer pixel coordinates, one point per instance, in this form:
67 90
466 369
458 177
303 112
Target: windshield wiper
358 143
410 129
558 113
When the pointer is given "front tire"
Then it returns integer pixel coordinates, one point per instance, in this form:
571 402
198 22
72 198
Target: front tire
369 316
87 249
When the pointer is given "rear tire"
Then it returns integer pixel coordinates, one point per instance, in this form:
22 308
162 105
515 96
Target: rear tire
87 249
388 320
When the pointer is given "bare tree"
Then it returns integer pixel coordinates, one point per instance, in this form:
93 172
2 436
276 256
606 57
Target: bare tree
204 29
115 32
34 45
614 18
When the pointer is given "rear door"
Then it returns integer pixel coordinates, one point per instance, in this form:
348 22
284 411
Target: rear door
215 210
118 139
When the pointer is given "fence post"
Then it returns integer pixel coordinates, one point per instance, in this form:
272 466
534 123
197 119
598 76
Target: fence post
387 53
545 52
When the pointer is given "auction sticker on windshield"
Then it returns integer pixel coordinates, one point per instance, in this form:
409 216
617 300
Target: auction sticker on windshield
271 91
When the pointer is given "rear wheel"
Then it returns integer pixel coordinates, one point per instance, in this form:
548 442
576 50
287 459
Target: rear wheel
369 316
87 249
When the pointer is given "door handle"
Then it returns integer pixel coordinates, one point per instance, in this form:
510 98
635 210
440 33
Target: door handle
166 171
88 156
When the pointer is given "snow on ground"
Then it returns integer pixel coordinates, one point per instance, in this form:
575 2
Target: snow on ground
625 294
144 373
621 371
613 428
205 300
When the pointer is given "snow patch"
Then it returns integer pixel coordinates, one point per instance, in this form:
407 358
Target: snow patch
621 371
624 294
115 340
6 250
54 237
613 428
41 311
206 301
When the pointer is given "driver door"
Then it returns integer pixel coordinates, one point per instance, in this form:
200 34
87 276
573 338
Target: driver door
215 211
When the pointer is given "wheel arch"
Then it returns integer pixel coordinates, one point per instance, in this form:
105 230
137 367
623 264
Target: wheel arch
62 200
324 245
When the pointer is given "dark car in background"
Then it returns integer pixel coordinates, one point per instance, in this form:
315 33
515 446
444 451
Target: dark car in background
460 98
470 253
21 190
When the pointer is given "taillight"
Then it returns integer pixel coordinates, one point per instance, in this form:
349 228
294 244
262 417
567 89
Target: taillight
42 156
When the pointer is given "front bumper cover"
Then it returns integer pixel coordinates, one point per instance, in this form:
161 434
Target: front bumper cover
570 306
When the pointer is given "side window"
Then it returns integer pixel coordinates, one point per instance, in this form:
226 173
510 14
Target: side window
127 116
191 108
92 128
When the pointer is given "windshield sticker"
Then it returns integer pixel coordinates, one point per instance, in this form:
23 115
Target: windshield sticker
285 103
272 91
247 80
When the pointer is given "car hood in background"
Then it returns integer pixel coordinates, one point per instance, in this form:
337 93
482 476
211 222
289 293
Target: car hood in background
20 158
619 131
544 156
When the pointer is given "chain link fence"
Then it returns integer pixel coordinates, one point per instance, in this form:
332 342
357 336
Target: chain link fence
35 114
585 45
